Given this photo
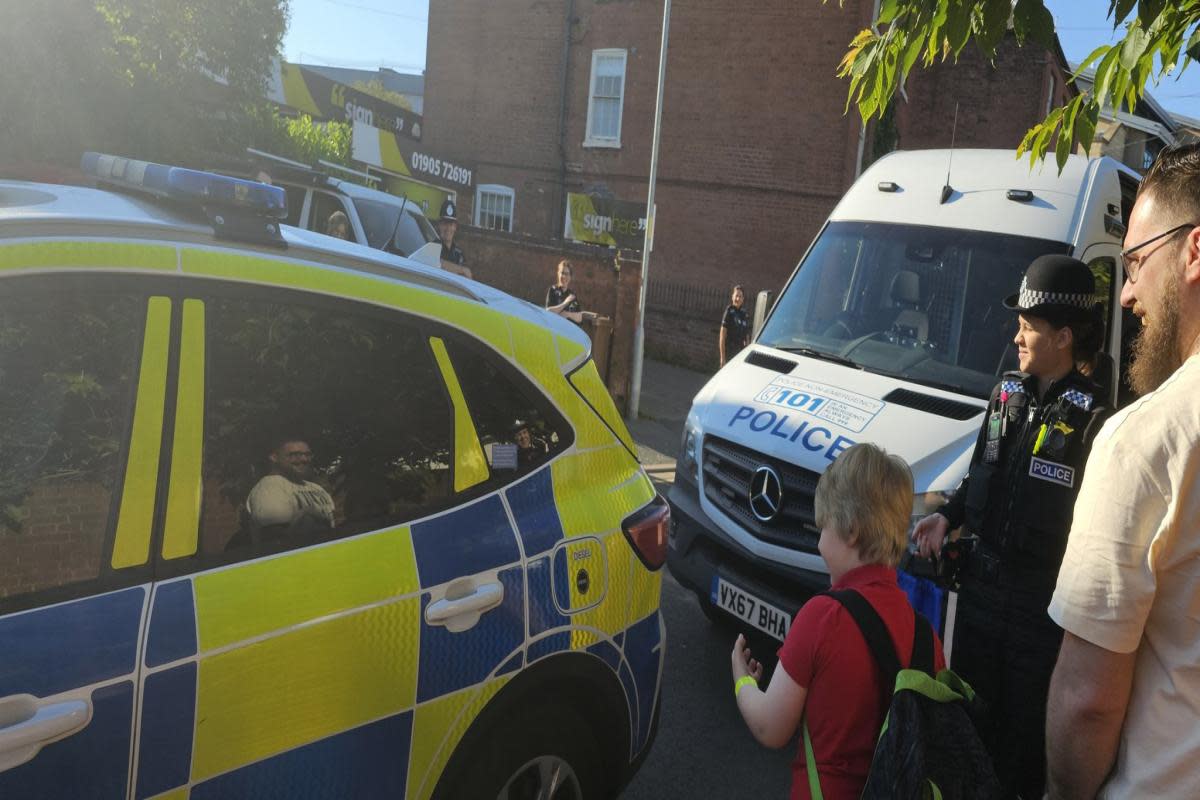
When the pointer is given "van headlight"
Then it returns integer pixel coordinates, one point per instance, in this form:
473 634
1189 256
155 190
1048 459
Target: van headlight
688 465
924 504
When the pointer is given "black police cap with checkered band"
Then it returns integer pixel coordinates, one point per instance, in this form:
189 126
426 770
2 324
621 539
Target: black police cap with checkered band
1054 281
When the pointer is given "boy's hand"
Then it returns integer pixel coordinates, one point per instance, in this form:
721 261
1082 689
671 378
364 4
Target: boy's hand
743 664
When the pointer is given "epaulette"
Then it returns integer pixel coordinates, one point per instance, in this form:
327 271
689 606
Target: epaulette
1078 398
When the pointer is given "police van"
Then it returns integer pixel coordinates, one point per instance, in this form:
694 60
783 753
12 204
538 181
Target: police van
265 526
890 330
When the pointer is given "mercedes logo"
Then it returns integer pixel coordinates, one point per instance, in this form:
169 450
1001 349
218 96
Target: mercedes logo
766 493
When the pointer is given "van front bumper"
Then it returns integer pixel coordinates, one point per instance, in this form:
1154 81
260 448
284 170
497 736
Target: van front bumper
699 551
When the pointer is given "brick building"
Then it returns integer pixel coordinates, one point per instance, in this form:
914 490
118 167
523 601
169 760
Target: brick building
554 99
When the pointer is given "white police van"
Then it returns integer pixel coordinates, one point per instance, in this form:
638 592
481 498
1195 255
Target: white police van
891 330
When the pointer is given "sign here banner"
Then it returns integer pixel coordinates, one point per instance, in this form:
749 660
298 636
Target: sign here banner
384 149
325 98
599 220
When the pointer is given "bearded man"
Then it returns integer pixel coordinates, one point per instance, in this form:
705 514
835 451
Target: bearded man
1124 708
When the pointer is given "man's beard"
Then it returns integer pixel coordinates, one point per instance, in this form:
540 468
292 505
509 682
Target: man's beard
1156 353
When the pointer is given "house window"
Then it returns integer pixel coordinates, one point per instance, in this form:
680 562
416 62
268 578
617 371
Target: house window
604 101
494 207
1050 95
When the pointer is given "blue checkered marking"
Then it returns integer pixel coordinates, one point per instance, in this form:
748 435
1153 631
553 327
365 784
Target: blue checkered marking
644 656
168 719
172 624
453 661
1011 387
92 764
1081 399
532 504
543 612
549 645
70 645
469 540
368 761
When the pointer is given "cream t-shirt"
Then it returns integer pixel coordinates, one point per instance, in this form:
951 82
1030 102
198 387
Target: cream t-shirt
1130 580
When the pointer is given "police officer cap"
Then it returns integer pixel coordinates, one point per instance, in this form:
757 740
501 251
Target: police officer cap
1054 281
449 210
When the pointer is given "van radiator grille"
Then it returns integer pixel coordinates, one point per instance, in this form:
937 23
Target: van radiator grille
768 361
728 468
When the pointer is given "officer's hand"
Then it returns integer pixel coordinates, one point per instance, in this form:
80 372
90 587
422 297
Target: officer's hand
930 534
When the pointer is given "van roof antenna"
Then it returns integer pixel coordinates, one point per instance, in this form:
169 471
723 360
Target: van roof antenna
947 190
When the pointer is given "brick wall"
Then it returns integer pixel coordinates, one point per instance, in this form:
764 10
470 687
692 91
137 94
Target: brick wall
61 540
525 267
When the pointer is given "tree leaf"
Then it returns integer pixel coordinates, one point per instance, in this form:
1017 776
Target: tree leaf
1099 52
992 24
1148 11
1122 7
1085 124
1032 20
888 11
1193 45
958 25
1134 45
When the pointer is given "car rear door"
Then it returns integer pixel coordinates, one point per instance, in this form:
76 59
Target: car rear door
83 374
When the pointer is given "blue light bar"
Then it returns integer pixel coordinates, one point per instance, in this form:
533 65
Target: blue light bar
188 185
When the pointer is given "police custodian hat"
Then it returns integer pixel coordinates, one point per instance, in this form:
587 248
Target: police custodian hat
449 211
1054 281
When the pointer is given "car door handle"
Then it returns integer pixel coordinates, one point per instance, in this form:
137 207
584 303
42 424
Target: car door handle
460 613
27 724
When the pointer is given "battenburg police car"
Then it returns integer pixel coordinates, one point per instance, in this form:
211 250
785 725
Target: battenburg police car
282 516
892 331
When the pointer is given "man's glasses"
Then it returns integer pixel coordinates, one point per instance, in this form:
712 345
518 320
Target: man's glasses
1134 265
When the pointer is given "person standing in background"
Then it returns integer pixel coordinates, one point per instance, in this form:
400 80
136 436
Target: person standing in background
453 259
735 326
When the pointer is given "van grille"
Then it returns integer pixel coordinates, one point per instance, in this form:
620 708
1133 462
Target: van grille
728 468
930 404
768 361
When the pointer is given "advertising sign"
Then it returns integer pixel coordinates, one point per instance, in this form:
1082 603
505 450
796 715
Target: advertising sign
599 220
386 150
325 98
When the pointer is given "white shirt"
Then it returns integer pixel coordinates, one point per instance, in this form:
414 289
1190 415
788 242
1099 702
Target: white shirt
275 500
1131 580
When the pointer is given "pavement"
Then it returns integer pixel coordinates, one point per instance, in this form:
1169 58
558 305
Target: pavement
667 392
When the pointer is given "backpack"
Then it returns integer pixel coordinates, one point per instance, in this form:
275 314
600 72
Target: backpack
929 747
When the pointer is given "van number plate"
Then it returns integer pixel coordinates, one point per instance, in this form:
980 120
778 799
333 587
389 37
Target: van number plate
749 609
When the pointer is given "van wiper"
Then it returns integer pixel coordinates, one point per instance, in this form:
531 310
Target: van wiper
821 355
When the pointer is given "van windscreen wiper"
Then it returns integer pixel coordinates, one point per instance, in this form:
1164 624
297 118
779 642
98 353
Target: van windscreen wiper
821 355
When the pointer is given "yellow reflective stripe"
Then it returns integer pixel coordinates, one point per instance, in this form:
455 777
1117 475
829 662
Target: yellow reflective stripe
182 793
470 466
486 323
587 380
58 253
132 544
253 599
438 727
184 492
314 681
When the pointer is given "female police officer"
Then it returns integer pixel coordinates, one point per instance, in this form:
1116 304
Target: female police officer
1017 498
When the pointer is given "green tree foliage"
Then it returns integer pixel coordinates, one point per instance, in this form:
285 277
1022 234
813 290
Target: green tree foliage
1160 38
134 77
298 138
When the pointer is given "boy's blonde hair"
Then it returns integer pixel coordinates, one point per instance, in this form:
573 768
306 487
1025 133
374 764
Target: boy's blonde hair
866 495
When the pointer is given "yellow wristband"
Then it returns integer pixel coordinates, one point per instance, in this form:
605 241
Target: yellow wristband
745 680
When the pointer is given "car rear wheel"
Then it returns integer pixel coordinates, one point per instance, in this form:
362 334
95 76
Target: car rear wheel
544 754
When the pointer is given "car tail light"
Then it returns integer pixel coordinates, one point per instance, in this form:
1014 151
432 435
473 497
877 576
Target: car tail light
647 530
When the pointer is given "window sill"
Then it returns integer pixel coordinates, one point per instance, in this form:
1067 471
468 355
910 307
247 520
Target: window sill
604 144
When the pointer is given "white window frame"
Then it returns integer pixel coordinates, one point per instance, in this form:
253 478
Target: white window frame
603 141
499 190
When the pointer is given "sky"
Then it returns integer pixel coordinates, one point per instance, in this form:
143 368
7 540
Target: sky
392 33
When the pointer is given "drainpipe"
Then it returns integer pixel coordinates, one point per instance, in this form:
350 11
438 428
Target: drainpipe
562 115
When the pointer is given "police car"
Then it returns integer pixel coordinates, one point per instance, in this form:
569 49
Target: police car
265 529
891 331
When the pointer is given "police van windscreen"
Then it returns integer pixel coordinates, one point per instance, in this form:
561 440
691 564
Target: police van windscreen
920 303
379 222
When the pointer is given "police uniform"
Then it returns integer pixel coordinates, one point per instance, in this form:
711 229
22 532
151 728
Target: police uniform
1018 498
453 253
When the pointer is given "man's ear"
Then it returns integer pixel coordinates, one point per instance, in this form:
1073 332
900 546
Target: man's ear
1191 257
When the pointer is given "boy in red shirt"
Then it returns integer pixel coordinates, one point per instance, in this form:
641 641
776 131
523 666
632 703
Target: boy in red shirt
826 671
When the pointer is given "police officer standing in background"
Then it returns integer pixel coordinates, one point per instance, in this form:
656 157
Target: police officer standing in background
453 259
1017 498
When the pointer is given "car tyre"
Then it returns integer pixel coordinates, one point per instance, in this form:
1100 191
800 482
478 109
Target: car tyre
549 753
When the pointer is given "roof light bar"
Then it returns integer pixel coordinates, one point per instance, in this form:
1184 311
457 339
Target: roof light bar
206 189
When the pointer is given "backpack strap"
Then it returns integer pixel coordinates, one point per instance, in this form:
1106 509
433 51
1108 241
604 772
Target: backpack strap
879 641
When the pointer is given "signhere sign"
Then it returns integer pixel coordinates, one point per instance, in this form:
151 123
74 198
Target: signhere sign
325 98
386 150
597 220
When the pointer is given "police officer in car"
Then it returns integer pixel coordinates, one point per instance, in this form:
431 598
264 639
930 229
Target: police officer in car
1017 500
453 259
